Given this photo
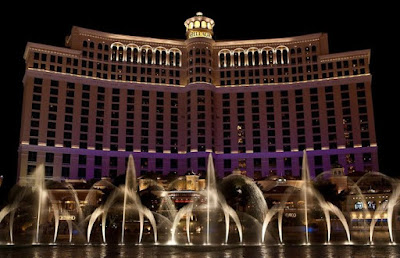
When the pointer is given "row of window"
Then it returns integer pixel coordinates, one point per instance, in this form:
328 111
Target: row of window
284 114
145 54
160 164
286 74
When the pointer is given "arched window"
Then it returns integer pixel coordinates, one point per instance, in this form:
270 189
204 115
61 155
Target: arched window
143 56
228 59
285 56
120 54
132 53
84 44
250 58
242 58
239 57
177 59
158 57
117 52
252 54
135 55
174 57
256 58
282 55
314 49
149 56
236 59
100 46
264 57
163 57
270 56
114 53
222 62
171 58
224 58
91 44
267 55
129 55
278 56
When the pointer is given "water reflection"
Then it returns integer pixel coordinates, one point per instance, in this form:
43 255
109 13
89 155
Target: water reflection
145 251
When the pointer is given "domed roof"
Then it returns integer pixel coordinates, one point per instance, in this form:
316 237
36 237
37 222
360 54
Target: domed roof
200 23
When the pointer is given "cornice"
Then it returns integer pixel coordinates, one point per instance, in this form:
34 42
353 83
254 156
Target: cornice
366 53
198 85
126 39
30 46
272 42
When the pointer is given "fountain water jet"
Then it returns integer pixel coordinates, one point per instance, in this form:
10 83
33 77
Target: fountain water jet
40 188
305 176
131 199
214 200
389 208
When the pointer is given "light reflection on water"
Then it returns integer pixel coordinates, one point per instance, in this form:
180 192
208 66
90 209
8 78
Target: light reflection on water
148 251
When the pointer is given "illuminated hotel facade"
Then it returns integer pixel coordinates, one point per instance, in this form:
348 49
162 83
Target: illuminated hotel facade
256 104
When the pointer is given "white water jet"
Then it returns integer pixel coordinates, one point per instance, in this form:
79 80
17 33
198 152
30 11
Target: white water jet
211 191
131 198
93 217
70 229
12 216
130 185
214 201
40 188
387 206
305 176
392 202
326 206
4 212
56 222
268 217
186 210
335 210
130 192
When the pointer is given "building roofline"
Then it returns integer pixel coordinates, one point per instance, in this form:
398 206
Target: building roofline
50 49
223 43
292 40
124 38
346 55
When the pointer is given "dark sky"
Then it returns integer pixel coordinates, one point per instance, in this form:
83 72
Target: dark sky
350 26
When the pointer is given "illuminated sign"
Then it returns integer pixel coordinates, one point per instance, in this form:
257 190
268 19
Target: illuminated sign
67 217
290 215
199 34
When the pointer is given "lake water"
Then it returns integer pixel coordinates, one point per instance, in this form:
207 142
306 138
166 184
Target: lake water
149 251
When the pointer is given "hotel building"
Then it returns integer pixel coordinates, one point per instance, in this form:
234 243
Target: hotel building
256 104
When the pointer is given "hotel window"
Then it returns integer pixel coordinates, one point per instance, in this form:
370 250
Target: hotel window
32 156
30 169
97 173
49 157
334 160
65 172
81 172
66 158
48 171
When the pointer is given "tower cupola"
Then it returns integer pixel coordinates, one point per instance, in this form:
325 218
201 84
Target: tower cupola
199 26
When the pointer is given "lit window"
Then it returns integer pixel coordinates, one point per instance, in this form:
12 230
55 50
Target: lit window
358 206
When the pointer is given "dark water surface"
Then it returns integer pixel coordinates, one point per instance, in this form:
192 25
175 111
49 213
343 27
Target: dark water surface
148 251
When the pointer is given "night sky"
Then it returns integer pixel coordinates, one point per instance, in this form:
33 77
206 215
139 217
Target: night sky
348 27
